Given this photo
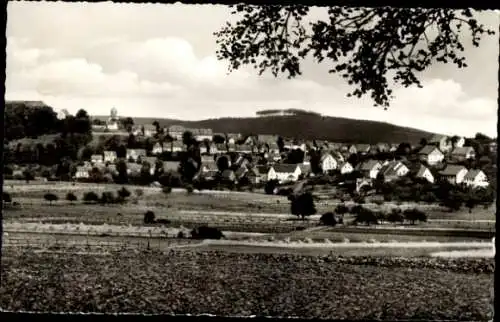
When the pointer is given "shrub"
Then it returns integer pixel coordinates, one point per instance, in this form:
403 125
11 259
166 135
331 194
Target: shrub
123 192
341 209
180 235
205 232
166 190
189 189
71 197
149 217
139 192
50 197
6 197
395 216
107 197
366 216
90 196
328 219
413 215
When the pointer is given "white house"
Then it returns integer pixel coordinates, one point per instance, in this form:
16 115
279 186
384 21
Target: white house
266 173
443 142
345 168
463 153
109 156
177 146
454 174
424 173
286 172
460 142
82 172
328 162
370 168
476 179
96 158
393 170
431 155
157 148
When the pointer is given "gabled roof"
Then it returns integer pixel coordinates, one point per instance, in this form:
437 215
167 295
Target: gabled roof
362 147
462 151
285 168
452 170
368 165
472 174
342 164
305 168
391 168
263 169
243 147
421 170
428 149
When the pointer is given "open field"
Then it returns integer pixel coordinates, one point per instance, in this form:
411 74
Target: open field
244 284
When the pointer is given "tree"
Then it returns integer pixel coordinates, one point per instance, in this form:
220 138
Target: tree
222 163
205 232
328 219
90 197
270 186
366 216
414 214
341 209
149 217
50 197
6 197
395 216
471 201
281 144
123 193
423 142
303 205
127 123
218 139
107 197
71 197
363 45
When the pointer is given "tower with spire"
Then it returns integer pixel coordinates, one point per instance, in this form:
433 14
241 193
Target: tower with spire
112 123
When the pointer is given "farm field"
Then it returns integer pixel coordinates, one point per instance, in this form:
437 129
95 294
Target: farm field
232 284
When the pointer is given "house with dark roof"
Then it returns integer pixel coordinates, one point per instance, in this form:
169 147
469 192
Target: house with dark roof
393 170
265 172
463 153
443 142
454 174
420 171
476 179
328 162
431 155
287 172
369 168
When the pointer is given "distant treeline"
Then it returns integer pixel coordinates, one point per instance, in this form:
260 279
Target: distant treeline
290 111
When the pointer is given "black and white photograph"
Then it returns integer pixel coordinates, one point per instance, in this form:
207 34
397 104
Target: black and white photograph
283 161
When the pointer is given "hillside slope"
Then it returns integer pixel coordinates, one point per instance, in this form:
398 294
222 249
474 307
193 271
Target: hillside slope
306 127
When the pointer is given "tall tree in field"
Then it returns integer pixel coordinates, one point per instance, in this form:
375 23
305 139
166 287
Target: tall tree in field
364 45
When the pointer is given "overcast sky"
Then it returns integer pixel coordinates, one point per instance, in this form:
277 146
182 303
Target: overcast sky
157 60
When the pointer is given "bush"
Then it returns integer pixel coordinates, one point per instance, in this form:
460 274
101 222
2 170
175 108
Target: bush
328 219
205 232
180 235
303 205
50 197
90 196
107 197
166 190
149 217
395 216
270 186
189 189
139 192
366 216
341 209
6 197
123 193
413 215
71 197
381 216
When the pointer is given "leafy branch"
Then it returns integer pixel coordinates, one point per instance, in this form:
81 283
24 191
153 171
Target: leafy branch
363 45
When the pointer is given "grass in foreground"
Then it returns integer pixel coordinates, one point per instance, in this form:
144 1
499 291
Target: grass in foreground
246 284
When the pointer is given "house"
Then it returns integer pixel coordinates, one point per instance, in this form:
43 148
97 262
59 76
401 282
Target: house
305 169
493 147
228 175
267 138
176 131
422 172
203 134
454 174
177 146
393 170
231 147
207 159
328 162
150 160
157 148
383 147
149 130
463 153
359 148
210 175
476 179
345 168
393 148
254 176
460 142
273 156
171 166
431 155
82 172
287 172
133 168
240 172
244 148
443 142
96 158
266 173
241 161
221 148
370 168
110 156
135 154
111 168
209 166
273 148
288 144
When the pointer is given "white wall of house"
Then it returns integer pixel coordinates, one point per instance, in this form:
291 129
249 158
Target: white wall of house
328 163
479 181
271 175
346 168
427 175
435 157
374 171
